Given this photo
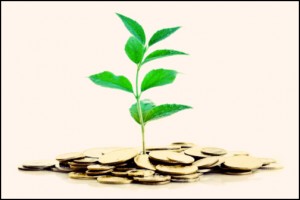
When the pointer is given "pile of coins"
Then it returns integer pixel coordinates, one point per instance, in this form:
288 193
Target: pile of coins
179 162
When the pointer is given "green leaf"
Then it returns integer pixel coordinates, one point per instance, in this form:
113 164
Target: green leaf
134 50
162 34
164 110
162 53
108 79
158 77
146 106
134 28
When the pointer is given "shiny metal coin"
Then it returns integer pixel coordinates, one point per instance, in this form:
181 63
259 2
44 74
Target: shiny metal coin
30 169
177 169
206 162
93 173
40 164
118 156
243 163
196 152
185 180
267 161
117 173
188 176
99 151
239 153
78 164
113 180
154 183
238 172
154 178
213 151
180 158
184 144
60 168
204 170
77 175
86 160
143 161
140 173
161 156
69 156
171 147
124 169
272 166
99 167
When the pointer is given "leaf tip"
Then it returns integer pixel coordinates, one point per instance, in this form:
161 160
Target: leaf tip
119 15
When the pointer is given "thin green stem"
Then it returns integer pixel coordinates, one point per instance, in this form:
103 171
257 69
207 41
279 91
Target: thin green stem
139 108
138 94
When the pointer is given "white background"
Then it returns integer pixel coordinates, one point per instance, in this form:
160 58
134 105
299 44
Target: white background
241 78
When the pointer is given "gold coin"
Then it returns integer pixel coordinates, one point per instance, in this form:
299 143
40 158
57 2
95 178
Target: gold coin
238 172
239 153
113 180
21 167
221 159
177 169
154 178
78 164
267 161
117 173
118 156
180 158
69 156
204 170
99 167
121 165
188 176
93 173
272 166
171 147
143 161
184 144
161 156
195 152
124 169
243 163
184 180
140 172
39 164
77 168
213 151
77 175
97 152
54 169
154 183
62 168
86 160
206 162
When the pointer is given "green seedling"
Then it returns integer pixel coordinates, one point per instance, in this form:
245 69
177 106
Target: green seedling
143 111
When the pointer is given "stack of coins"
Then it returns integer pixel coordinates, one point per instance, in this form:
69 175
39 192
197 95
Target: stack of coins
179 162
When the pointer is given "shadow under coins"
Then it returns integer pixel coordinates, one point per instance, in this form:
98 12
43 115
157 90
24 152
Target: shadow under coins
209 178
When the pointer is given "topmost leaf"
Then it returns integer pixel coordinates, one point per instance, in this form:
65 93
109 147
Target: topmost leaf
162 34
134 28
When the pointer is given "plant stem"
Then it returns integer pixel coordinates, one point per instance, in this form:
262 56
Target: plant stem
139 108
